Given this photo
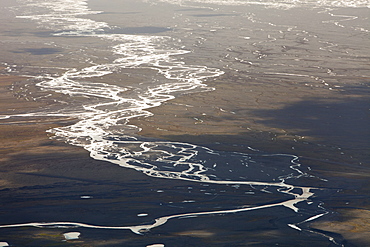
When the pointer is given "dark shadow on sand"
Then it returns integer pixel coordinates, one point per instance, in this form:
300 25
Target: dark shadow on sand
342 122
40 51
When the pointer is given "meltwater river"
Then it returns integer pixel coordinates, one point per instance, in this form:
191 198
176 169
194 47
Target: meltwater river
108 64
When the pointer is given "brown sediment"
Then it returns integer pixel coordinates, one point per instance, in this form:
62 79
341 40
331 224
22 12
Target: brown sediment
226 119
16 133
9 103
23 137
352 224
227 111
28 154
197 233
279 119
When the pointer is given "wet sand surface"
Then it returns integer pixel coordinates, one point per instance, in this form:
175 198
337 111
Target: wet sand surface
46 180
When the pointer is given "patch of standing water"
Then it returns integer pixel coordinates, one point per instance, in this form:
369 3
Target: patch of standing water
72 235
155 245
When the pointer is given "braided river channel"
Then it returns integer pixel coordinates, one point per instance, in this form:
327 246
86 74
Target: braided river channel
206 122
